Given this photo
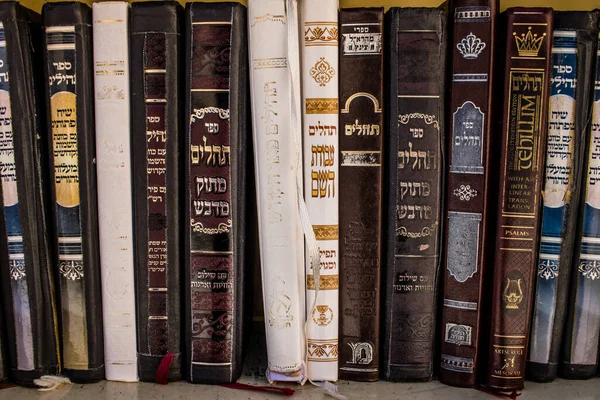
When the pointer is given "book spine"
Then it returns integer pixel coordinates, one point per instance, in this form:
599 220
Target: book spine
467 231
414 147
156 129
280 234
22 307
360 179
113 163
572 58
321 180
579 359
31 341
522 158
215 182
68 53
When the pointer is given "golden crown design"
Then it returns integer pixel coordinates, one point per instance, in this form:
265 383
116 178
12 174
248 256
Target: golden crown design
529 44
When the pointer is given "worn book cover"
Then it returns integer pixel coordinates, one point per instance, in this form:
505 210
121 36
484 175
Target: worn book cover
414 141
579 354
30 326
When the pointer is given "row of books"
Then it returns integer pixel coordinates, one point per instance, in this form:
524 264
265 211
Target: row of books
137 143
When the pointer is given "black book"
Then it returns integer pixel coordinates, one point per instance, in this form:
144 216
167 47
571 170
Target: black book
415 82
156 106
573 58
216 189
25 242
579 353
70 111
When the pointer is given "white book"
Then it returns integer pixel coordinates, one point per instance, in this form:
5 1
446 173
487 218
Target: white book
321 164
113 163
280 233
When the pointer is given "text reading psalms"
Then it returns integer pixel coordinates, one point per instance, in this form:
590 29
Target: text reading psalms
61 77
212 155
594 169
359 129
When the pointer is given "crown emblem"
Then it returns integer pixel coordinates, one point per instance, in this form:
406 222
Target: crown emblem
528 45
470 47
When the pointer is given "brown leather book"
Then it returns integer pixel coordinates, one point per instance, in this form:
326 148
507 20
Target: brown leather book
524 118
468 228
361 128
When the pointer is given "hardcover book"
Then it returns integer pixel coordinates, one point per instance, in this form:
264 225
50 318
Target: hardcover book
156 136
70 111
115 207
579 354
215 189
360 179
320 72
29 321
574 41
415 76
469 192
524 117
276 168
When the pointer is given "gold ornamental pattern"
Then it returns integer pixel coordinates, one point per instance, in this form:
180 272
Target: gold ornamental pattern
321 34
323 350
321 105
322 72
326 232
327 282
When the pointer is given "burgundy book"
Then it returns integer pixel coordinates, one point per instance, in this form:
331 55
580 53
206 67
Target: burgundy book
470 183
216 182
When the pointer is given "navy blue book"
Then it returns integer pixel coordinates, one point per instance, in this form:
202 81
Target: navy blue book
575 35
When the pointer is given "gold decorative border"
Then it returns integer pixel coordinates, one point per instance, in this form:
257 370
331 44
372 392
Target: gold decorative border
266 63
321 106
327 282
323 350
321 34
326 232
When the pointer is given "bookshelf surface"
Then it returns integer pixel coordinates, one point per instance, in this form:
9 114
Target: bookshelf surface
558 390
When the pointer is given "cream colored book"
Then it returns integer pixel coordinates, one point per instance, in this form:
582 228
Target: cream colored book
280 233
113 165
320 141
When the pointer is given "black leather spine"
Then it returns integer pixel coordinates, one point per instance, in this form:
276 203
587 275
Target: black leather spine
415 54
216 181
155 74
27 209
82 350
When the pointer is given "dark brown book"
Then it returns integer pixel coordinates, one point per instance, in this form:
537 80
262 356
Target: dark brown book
470 183
361 139
415 83
216 148
524 119
156 107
